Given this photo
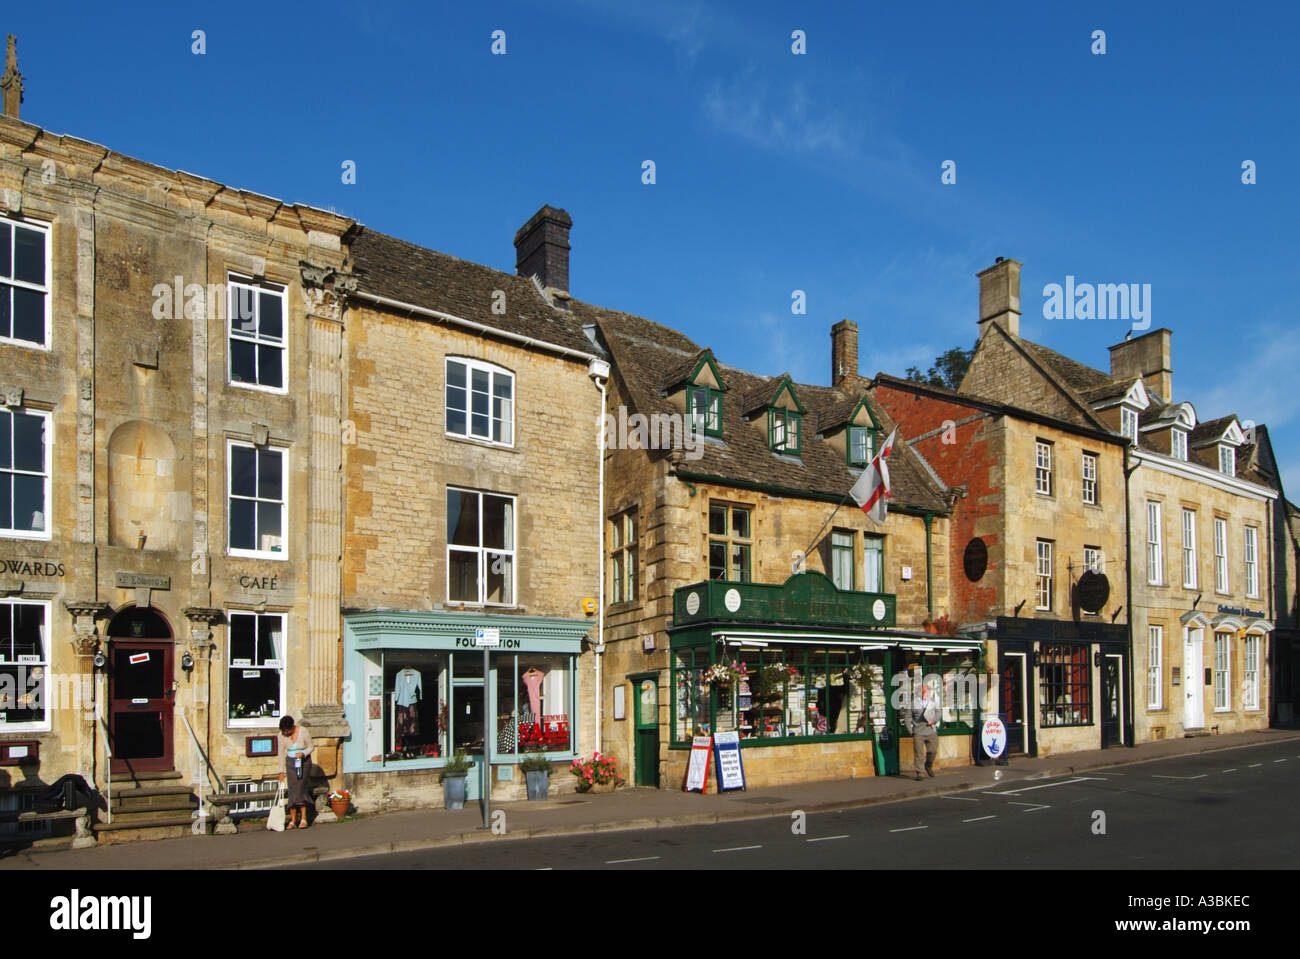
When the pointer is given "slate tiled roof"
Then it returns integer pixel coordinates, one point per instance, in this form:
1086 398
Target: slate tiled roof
398 270
1209 431
645 353
679 374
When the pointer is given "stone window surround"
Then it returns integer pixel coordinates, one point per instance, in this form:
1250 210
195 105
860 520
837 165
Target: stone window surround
41 726
256 722
261 286
283 554
47 533
47 290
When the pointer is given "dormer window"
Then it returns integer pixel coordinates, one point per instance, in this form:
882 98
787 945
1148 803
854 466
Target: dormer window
1178 444
859 446
783 431
705 407
1128 424
1227 460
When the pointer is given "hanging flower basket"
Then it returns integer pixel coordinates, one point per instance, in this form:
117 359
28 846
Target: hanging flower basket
723 675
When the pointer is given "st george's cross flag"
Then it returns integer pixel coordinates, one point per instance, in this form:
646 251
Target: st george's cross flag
871 491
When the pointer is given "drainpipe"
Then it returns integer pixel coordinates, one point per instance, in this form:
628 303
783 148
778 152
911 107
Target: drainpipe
598 370
929 566
1131 725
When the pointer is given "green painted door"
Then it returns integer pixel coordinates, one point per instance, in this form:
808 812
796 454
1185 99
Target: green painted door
646 744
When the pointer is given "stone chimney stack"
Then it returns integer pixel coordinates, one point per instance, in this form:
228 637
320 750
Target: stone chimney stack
844 352
1149 356
1000 296
11 84
542 248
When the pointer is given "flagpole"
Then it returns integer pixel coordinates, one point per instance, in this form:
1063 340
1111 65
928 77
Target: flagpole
843 500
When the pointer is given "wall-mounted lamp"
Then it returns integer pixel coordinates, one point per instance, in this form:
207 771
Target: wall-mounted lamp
187 661
1038 659
99 660
1097 658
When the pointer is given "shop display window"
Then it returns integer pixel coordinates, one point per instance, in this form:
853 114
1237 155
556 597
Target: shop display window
423 705
691 695
255 669
954 681
534 703
23 682
782 692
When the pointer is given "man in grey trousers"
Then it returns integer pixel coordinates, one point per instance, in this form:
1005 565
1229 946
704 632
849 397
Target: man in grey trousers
922 722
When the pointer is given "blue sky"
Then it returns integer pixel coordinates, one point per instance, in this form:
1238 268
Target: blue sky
775 172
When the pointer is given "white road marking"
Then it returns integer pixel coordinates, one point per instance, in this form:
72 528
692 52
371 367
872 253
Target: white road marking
1032 805
825 838
1253 765
1201 776
979 818
1232 770
1025 789
960 798
1279 760
615 862
545 869
737 848
909 829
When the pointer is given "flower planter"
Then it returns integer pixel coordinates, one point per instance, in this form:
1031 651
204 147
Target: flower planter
539 783
602 788
453 790
340 807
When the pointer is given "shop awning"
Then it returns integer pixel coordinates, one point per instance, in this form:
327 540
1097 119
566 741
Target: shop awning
924 642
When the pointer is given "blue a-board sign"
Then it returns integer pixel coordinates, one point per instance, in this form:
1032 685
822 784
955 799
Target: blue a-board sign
726 754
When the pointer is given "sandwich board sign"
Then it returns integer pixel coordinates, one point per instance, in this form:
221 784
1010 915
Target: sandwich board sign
726 753
697 770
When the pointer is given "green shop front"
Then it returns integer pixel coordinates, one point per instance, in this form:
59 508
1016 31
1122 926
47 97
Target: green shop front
805 674
415 693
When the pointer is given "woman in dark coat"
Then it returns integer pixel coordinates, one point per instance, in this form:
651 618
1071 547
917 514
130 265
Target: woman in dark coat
297 746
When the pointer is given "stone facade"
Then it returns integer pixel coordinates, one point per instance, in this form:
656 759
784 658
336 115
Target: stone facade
399 463
1188 608
135 378
992 452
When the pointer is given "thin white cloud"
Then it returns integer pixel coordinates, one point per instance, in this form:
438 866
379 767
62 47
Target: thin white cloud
1260 386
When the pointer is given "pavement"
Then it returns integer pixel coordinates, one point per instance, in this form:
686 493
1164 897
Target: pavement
576 814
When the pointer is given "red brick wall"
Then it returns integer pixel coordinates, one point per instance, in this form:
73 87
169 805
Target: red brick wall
970 458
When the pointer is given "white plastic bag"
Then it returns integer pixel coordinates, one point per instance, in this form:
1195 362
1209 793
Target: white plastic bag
275 818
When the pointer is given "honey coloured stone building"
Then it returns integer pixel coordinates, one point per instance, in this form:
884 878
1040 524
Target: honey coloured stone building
746 595
472 503
169 577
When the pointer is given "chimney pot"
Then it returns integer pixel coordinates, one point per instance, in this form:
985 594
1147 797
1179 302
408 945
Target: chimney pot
542 248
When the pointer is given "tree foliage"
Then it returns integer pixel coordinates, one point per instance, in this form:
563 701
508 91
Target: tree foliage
948 370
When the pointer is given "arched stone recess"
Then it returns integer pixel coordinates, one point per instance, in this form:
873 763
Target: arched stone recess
145 509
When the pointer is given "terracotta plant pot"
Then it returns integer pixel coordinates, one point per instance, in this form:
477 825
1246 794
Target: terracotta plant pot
340 807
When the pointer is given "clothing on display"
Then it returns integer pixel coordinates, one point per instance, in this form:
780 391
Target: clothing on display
406 686
408 722
532 678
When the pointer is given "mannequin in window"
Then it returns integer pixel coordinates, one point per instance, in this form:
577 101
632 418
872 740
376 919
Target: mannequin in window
406 693
532 678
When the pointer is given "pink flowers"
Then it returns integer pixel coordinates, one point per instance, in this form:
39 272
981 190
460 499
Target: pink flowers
595 771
